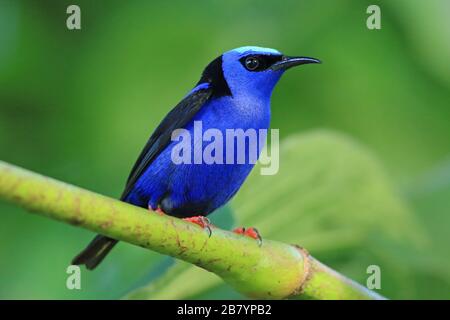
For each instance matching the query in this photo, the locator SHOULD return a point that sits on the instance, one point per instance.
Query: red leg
(157, 211)
(249, 232)
(240, 230)
(201, 221)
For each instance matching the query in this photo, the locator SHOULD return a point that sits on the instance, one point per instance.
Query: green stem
(274, 270)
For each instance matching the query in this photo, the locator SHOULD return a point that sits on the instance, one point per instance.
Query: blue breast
(185, 190)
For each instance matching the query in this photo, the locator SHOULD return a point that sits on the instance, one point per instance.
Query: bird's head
(249, 70)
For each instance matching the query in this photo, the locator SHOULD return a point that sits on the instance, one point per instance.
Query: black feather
(177, 118)
(95, 252)
(213, 74)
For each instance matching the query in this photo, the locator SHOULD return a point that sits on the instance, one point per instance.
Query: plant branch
(274, 270)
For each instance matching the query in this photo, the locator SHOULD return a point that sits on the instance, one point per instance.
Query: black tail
(95, 252)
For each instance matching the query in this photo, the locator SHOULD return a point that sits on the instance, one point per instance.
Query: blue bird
(234, 92)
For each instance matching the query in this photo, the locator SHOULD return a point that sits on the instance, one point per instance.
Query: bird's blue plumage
(247, 49)
(198, 189)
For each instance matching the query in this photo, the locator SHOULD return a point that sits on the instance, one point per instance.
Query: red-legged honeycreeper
(233, 93)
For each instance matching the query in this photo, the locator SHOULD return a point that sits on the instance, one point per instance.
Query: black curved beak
(289, 62)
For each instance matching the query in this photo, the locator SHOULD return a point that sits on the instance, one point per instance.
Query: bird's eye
(251, 63)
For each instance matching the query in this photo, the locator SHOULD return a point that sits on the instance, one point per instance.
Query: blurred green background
(365, 162)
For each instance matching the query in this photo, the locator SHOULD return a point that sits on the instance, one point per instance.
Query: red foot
(159, 211)
(249, 232)
(201, 221)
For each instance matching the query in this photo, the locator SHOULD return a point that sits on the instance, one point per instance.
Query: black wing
(178, 117)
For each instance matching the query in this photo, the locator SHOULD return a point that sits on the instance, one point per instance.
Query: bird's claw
(201, 221)
(159, 211)
(250, 232)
